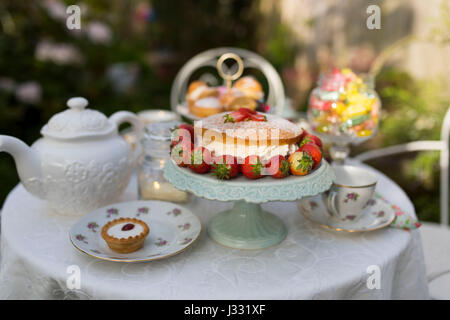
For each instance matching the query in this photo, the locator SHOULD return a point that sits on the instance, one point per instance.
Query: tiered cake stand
(246, 225)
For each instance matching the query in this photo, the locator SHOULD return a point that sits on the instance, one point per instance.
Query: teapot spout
(27, 160)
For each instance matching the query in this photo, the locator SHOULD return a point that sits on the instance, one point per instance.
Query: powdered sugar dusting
(274, 127)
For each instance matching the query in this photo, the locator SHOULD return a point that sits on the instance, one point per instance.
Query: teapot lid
(77, 122)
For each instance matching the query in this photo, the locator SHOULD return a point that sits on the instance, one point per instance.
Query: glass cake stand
(246, 225)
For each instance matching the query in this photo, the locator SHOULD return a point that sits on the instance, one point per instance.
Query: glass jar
(156, 152)
(344, 107)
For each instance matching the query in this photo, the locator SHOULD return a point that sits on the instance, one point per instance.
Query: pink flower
(29, 92)
(58, 53)
(143, 210)
(98, 32)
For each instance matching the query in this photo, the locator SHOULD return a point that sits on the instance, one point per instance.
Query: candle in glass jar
(161, 190)
(155, 145)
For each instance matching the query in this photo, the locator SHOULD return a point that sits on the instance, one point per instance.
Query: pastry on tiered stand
(206, 107)
(204, 101)
(240, 88)
(227, 96)
(250, 87)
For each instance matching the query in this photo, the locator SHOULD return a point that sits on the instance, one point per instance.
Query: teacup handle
(332, 203)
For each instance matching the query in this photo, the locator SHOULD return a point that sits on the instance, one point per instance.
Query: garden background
(127, 54)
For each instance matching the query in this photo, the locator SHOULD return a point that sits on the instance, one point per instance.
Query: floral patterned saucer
(378, 214)
(172, 230)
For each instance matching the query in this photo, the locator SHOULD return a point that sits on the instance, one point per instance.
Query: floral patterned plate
(172, 230)
(378, 214)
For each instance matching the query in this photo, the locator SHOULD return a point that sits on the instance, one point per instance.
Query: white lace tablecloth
(312, 263)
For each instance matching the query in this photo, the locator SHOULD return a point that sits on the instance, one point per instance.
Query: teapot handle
(125, 116)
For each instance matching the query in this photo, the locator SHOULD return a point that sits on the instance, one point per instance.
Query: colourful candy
(344, 105)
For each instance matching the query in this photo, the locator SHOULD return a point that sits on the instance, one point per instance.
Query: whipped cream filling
(195, 94)
(265, 152)
(117, 232)
(209, 102)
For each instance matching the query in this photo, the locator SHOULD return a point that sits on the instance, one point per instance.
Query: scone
(242, 102)
(227, 96)
(194, 85)
(125, 235)
(250, 87)
(206, 107)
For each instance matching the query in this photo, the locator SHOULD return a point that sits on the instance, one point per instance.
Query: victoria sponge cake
(246, 132)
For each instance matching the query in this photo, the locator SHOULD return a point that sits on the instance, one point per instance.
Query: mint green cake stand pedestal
(246, 225)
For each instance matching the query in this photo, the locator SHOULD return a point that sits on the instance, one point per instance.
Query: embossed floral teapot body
(81, 163)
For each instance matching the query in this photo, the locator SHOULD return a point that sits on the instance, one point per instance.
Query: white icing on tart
(117, 232)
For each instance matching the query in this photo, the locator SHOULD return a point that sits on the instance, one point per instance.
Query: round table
(37, 260)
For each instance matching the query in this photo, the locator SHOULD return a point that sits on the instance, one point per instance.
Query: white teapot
(81, 163)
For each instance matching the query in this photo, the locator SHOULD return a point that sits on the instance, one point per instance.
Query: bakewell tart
(125, 235)
(245, 132)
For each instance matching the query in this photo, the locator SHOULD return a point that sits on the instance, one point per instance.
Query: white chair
(435, 237)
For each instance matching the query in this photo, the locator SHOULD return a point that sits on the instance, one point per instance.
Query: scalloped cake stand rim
(321, 178)
(246, 225)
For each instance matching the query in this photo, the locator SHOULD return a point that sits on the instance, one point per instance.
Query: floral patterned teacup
(350, 193)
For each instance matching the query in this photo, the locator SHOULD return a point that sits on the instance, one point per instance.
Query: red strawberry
(258, 117)
(183, 131)
(247, 110)
(314, 151)
(173, 143)
(225, 167)
(309, 138)
(243, 114)
(278, 167)
(181, 153)
(300, 163)
(200, 160)
(235, 116)
(251, 168)
(304, 134)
